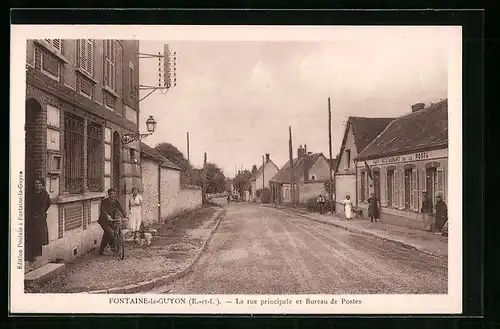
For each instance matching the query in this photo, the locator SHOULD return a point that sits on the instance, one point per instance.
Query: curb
(145, 286)
(366, 233)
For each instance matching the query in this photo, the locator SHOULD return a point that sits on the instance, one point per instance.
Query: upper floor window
(56, 45)
(86, 56)
(109, 64)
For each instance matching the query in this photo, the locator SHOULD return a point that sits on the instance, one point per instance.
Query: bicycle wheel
(121, 252)
(118, 245)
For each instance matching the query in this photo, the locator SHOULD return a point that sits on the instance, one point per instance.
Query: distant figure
(373, 208)
(228, 199)
(441, 213)
(426, 211)
(348, 207)
(36, 231)
(321, 203)
(135, 205)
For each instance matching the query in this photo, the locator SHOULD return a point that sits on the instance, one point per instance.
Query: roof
(424, 129)
(259, 171)
(151, 153)
(364, 130)
(283, 175)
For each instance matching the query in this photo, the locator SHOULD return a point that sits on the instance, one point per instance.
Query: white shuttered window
(56, 44)
(86, 56)
(109, 64)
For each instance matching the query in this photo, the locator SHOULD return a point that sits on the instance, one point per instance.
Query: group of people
(38, 203)
(436, 222)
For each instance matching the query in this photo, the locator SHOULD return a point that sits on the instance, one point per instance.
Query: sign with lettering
(410, 157)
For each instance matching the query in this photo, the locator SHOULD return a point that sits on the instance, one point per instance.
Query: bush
(312, 205)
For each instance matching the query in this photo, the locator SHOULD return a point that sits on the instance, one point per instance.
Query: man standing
(321, 203)
(426, 211)
(109, 209)
(441, 213)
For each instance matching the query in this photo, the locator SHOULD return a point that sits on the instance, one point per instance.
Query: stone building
(359, 132)
(260, 179)
(410, 156)
(81, 98)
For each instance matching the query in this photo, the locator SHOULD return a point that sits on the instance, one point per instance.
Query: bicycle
(118, 239)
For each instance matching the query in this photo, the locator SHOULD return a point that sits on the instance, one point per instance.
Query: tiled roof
(153, 154)
(283, 175)
(364, 131)
(259, 171)
(419, 130)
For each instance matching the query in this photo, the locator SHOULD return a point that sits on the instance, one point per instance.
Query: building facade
(359, 132)
(410, 156)
(310, 171)
(81, 98)
(260, 180)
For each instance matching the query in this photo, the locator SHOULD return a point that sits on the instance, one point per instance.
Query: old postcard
(236, 169)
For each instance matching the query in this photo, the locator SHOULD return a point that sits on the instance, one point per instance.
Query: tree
(241, 179)
(216, 181)
(173, 154)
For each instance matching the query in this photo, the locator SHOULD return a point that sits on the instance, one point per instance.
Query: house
(163, 194)
(81, 98)
(310, 172)
(260, 179)
(408, 157)
(359, 132)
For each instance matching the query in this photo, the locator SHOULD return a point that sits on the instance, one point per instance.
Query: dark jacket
(426, 207)
(441, 210)
(36, 230)
(373, 209)
(110, 208)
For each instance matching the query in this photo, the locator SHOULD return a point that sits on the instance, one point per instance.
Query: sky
(238, 98)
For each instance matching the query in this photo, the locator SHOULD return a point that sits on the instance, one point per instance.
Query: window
(363, 187)
(50, 65)
(109, 64)
(131, 81)
(348, 158)
(376, 183)
(73, 153)
(86, 56)
(84, 86)
(408, 186)
(390, 187)
(95, 157)
(431, 183)
(313, 177)
(55, 45)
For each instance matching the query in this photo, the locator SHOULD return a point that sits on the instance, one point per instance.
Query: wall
(349, 145)
(311, 190)
(320, 169)
(169, 190)
(396, 213)
(72, 217)
(344, 185)
(270, 171)
(150, 190)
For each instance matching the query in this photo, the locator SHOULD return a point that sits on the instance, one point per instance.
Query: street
(258, 250)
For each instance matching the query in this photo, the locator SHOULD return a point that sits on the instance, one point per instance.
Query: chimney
(301, 151)
(305, 148)
(417, 107)
(267, 157)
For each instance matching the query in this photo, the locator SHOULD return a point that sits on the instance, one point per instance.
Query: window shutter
(402, 188)
(414, 186)
(57, 44)
(384, 197)
(360, 177)
(440, 182)
(113, 76)
(395, 188)
(422, 186)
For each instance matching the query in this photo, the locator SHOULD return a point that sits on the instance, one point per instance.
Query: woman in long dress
(348, 207)
(37, 233)
(135, 207)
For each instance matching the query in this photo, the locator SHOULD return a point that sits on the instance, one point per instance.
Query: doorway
(117, 147)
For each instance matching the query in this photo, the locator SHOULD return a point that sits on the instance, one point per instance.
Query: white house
(261, 178)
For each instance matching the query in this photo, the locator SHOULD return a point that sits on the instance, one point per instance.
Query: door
(390, 180)
(407, 189)
(116, 161)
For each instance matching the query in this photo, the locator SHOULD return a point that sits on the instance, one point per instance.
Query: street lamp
(151, 127)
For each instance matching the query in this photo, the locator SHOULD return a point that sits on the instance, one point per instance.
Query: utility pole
(330, 191)
(204, 191)
(263, 181)
(290, 152)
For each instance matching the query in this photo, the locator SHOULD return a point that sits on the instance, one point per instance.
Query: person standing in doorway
(441, 213)
(36, 231)
(135, 208)
(373, 208)
(321, 204)
(109, 209)
(426, 211)
(348, 207)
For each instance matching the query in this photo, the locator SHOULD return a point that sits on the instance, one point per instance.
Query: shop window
(390, 187)
(363, 186)
(73, 153)
(95, 157)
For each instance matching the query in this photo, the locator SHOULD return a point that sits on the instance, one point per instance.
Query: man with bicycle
(109, 210)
